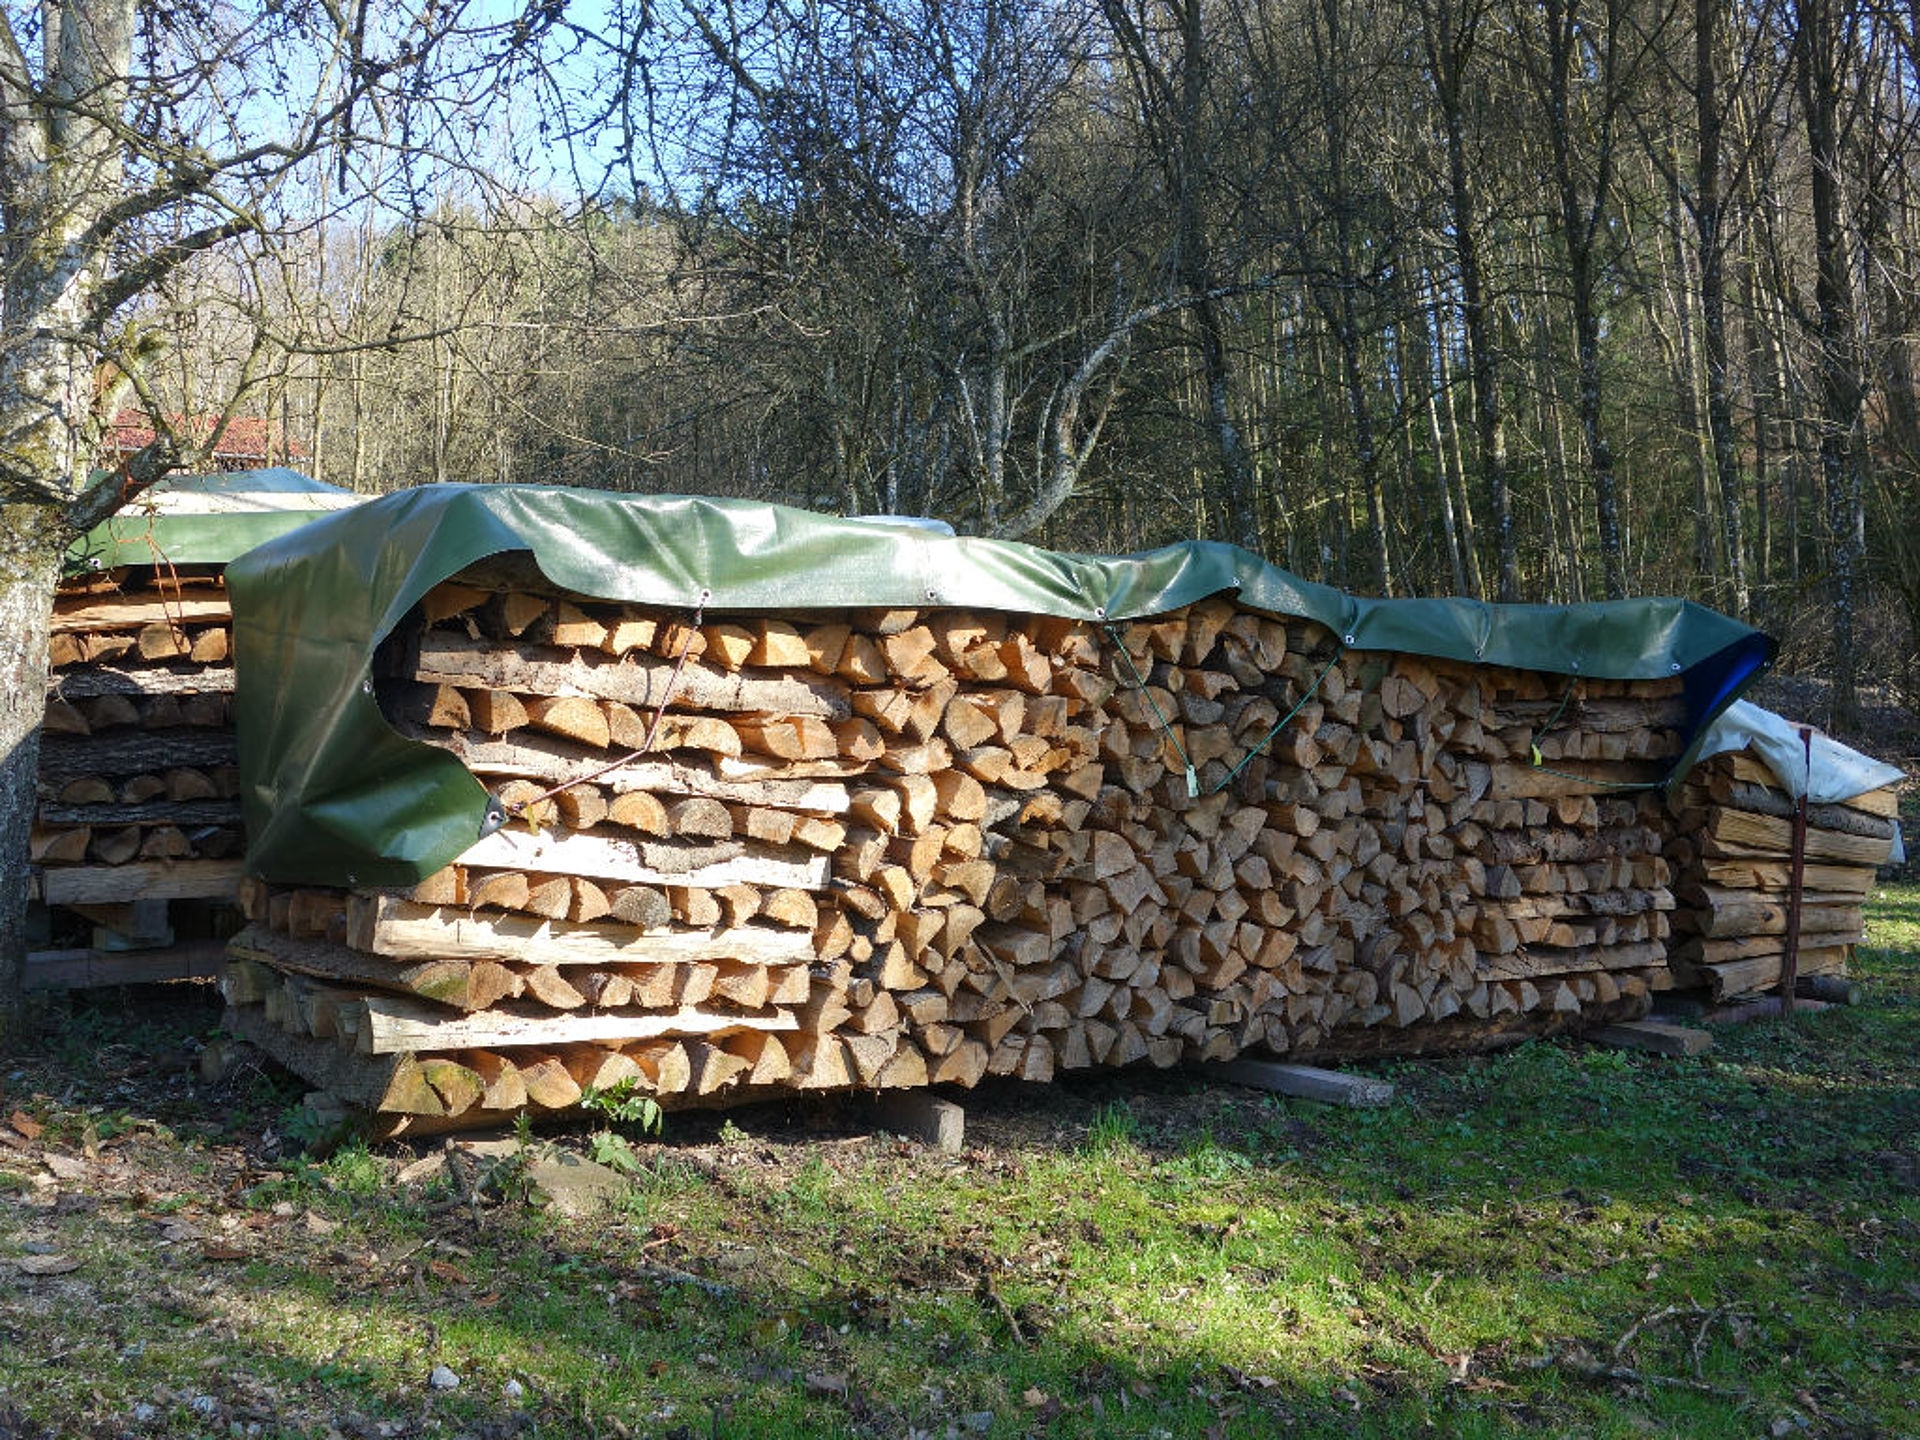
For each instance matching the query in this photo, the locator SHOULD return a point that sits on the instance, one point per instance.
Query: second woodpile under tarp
(137, 780)
(1733, 854)
(894, 848)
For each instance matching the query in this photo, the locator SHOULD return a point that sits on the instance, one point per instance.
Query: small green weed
(669, 1175)
(1205, 1158)
(308, 1128)
(614, 1152)
(626, 1106)
(1114, 1128)
(807, 1200)
(354, 1170)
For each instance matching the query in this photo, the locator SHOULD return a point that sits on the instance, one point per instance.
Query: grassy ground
(1554, 1240)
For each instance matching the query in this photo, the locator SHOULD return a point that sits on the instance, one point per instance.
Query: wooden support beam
(142, 880)
(388, 1024)
(1753, 1007)
(607, 857)
(147, 680)
(86, 614)
(94, 969)
(384, 925)
(1332, 1087)
(1656, 1037)
(936, 1123)
(189, 812)
(133, 752)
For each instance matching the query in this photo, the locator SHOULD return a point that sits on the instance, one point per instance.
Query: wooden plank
(386, 925)
(65, 757)
(1653, 1036)
(1332, 1087)
(147, 680)
(142, 880)
(191, 812)
(606, 857)
(1514, 781)
(1741, 833)
(1766, 800)
(1777, 875)
(388, 1024)
(1728, 980)
(1746, 947)
(91, 969)
(84, 613)
(1733, 913)
(554, 761)
(447, 659)
(1757, 1007)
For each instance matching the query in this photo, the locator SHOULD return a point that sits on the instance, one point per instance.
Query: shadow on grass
(1551, 1238)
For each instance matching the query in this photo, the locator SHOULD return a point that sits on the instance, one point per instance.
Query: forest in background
(1518, 299)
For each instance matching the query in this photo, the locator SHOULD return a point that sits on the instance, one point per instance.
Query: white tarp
(243, 492)
(1837, 772)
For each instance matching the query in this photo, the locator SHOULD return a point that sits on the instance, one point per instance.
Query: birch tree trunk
(29, 566)
(60, 169)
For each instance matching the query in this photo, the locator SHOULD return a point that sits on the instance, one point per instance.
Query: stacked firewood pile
(137, 788)
(1734, 877)
(899, 848)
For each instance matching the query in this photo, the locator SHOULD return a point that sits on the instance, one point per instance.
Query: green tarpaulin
(334, 796)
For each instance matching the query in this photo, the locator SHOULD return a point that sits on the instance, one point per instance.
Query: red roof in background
(247, 437)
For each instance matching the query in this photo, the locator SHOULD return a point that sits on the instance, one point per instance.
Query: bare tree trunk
(1709, 219)
(1333, 559)
(1564, 554)
(1820, 42)
(1582, 210)
(1339, 309)
(1448, 30)
(1366, 448)
(1410, 369)
(1760, 371)
(1173, 96)
(1447, 423)
(1683, 362)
